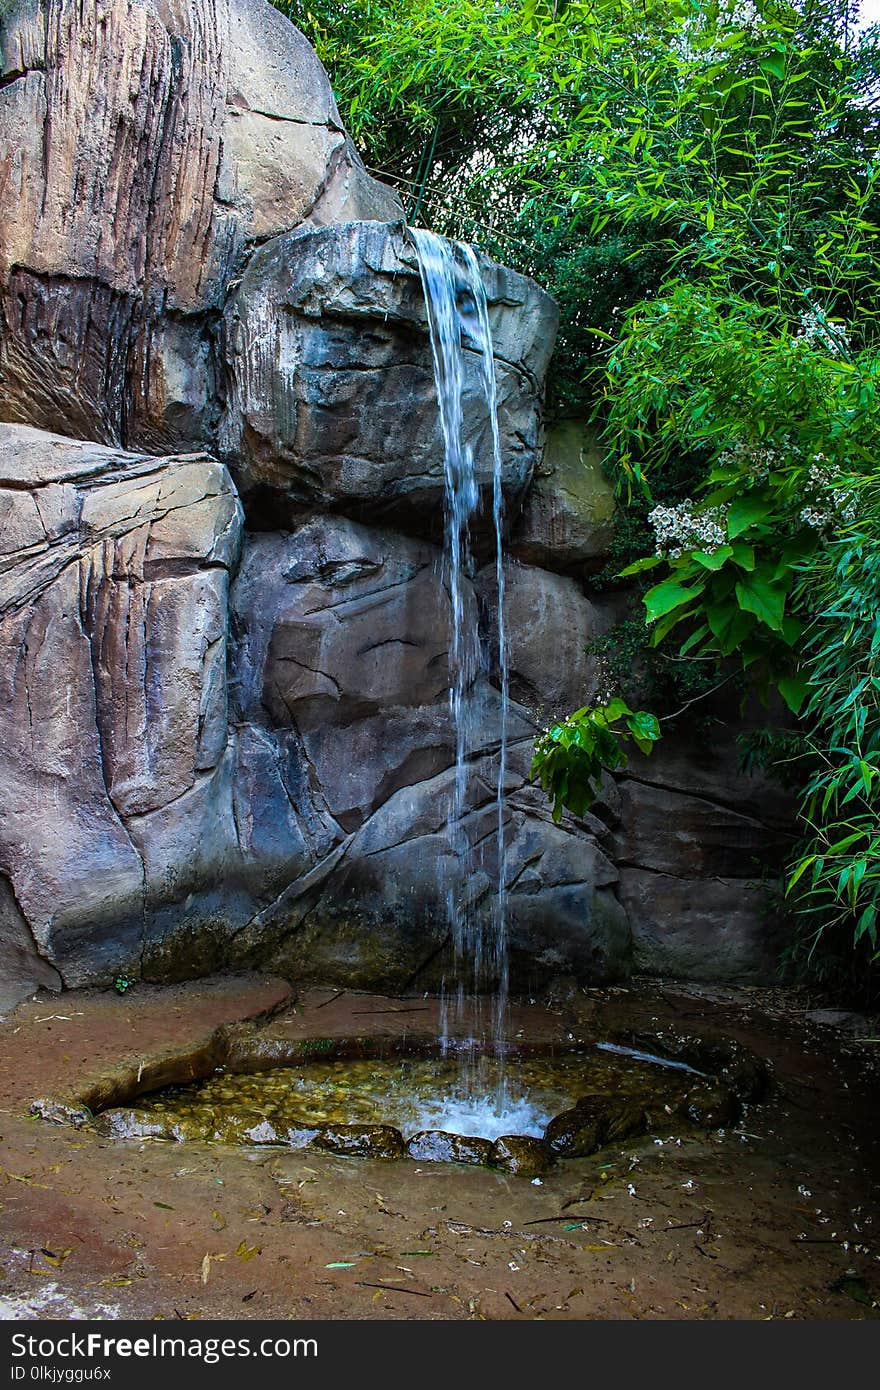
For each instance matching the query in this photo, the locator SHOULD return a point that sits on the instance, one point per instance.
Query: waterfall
(458, 312)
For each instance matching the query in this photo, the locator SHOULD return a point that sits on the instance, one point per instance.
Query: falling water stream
(458, 321)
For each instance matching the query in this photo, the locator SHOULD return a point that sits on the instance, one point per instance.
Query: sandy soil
(779, 1218)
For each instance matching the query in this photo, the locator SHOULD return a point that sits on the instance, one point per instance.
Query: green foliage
(837, 877)
(647, 675)
(572, 756)
(122, 984)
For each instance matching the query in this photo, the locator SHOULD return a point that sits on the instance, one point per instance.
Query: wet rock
(300, 1136)
(625, 1119)
(522, 1155)
(439, 1146)
(147, 1124)
(711, 1106)
(361, 1141)
(355, 425)
(341, 645)
(549, 622)
(575, 1133)
(593, 1121)
(62, 1113)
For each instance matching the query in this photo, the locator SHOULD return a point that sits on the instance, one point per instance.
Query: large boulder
(331, 399)
(567, 521)
(112, 678)
(145, 146)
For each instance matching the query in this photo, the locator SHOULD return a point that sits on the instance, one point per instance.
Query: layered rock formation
(147, 146)
(225, 736)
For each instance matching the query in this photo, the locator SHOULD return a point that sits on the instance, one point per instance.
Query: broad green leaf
(793, 690)
(648, 563)
(747, 511)
(644, 726)
(744, 555)
(774, 63)
(665, 597)
(715, 559)
(767, 601)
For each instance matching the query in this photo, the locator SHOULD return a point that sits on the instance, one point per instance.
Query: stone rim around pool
(728, 1077)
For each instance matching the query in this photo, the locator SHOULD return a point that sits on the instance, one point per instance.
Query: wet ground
(777, 1217)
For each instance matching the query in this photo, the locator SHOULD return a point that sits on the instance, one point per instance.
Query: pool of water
(415, 1094)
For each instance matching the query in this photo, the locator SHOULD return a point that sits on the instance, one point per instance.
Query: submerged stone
(439, 1146)
(522, 1155)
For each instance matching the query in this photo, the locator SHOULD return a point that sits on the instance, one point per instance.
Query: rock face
(224, 728)
(145, 146)
(113, 637)
(696, 845)
(567, 520)
(332, 400)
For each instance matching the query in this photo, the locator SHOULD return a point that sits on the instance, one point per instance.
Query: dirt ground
(777, 1218)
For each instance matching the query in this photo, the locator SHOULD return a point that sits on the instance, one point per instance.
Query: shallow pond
(486, 1100)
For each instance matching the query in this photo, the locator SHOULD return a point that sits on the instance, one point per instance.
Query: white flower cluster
(681, 528)
(744, 13)
(827, 504)
(818, 332)
(754, 461)
(692, 41)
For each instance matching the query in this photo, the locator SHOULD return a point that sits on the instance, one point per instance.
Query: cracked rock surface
(145, 147)
(224, 727)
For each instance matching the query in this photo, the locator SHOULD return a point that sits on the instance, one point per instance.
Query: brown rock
(522, 1155)
(144, 148)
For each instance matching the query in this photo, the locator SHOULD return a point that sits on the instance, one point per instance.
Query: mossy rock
(147, 1124)
(522, 1155)
(710, 1105)
(361, 1141)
